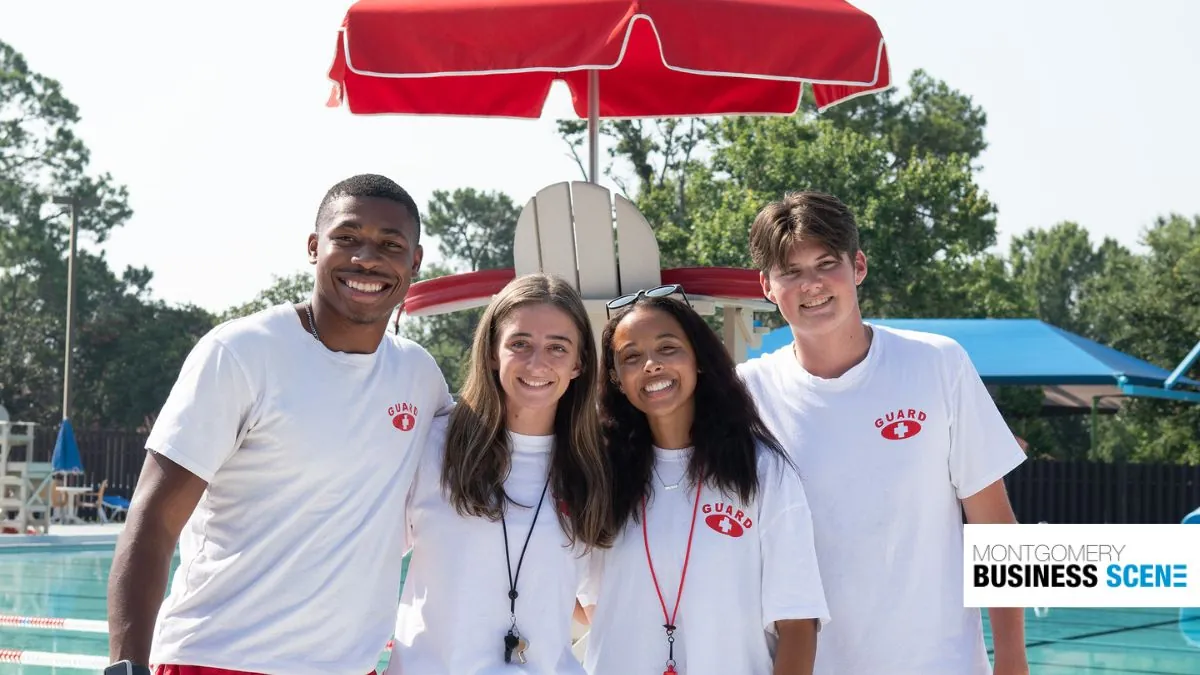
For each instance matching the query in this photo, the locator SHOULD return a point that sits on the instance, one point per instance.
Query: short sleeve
(791, 577)
(982, 447)
(445, 402)
(206, 415)
(428, 475)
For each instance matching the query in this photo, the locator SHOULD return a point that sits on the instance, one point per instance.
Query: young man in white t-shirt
(895, 436)
(280, 464)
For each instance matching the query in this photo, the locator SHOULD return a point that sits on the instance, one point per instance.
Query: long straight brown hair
(478, 457)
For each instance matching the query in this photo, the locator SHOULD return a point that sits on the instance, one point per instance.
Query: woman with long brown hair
(502, 514)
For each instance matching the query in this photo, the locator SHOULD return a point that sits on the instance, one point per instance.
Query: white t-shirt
(454, 610)
(886, 452)
(750, 566)
(289, 563)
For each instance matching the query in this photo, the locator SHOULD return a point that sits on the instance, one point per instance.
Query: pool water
(73, 584)
(62, 585)
(57, 585)
(1146, 641)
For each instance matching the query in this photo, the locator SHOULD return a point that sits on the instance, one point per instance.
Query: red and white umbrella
(620, 58)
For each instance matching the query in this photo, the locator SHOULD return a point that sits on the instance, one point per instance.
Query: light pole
(75, 204)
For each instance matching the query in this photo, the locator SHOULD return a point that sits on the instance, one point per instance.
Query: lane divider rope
(52, 660)
(76, 625)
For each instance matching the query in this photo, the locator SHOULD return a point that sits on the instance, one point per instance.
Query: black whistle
(510, 643)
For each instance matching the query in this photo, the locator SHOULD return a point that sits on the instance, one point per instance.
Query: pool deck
(64, 536)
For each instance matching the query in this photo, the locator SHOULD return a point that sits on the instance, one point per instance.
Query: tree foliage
(475, 232)
(292, 288)
(127, 346)
(903, 164)
(1149, 305)
(906, 163)
(1141, 304)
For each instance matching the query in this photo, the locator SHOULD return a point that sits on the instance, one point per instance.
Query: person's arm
(796, 653)
(991, 506)
(793, 595)
(165, 498)
(982, 451)
(206, 416)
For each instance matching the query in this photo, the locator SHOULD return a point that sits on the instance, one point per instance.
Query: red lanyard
(670, 620)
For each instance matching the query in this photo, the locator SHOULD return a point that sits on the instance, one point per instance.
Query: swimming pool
(1117, 641)
(71, 584)
(63, 583)
(56, 584)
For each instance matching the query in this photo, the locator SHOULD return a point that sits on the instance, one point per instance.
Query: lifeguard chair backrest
(594, 239)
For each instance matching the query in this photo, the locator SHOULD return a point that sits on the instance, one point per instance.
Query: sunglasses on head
(656, 292)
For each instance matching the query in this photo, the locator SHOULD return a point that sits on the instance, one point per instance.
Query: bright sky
(213, 114)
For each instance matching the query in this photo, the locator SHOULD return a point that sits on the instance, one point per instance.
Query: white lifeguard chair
(596, 240)
(600, 243)
(26, 489)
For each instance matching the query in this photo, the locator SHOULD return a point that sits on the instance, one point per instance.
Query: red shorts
(203, 670)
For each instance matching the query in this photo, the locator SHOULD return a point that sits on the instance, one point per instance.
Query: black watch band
(127, 668)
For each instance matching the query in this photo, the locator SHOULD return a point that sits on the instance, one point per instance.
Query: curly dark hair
(726, 429)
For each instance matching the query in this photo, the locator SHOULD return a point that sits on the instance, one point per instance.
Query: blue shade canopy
(1030, 352)
(66, 451)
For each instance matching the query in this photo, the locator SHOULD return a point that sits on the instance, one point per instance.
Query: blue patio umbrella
(66, 451)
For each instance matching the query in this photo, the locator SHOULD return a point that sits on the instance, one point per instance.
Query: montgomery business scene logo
(1065, 566)
(1081, 565)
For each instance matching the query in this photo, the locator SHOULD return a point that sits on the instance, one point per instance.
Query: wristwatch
(127, 668)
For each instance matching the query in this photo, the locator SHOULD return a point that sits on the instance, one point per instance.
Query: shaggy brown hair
(801, 216)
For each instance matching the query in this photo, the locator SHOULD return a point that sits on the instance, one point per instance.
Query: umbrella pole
(594, 126)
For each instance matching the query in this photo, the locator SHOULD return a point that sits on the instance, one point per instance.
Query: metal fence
(115, 456)
(1041, 490)
(1098, 492)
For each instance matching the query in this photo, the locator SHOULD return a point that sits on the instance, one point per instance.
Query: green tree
(903, 164)
(127, 348)
(923, 222)
(296, 287)
(653, 162)
(1050, 268)
(907, 165)
(932, 119)
(1142, 304)
(1053, 266)
(475, 232)
(135, 350)
(1149, 306)
(474, 229)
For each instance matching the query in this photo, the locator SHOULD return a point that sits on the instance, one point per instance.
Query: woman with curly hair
(713, 568)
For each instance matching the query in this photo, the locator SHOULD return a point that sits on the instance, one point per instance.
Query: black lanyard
(513, 640)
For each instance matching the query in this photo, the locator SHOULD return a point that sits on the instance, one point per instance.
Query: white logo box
(1131, 565)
